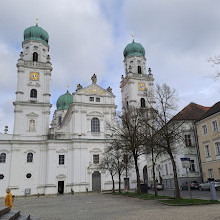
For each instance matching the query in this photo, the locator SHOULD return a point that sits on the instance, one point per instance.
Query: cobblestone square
(109, 207)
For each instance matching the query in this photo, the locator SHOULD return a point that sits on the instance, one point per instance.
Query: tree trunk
(137, 174)
(119, 182)
(154, 177)
(177, 190)
(113, 184)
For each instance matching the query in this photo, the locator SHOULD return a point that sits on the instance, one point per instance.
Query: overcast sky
(89, 36)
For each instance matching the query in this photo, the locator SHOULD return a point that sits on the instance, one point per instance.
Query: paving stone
(23, 217)
(4, 210)
(12, 215)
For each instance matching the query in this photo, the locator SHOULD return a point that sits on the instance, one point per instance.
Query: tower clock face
(141, 86)
(34, 76)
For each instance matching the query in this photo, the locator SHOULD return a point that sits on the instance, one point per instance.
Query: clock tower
(136, 80)
(32, 105)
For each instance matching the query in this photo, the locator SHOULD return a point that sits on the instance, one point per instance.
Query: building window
(188, 140)
(31, 125)
(139, 69)
(207, 152)
(210, 171)
(192, 166)
(59, 120)
(33, 93)
(95, 125)
(28, 175)
(97, 99)
(29, 157)
(142, 103)
(166, 169)
(91, 99)
(35, 56)
(1, 176)
(214, 126)
(61, 159)
(217, 148)
(2, 157)
(204, 129)
(95, 159)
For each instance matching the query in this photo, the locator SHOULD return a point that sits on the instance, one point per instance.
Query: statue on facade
(32, 125)
(21, 55)
(94, 79)
(109, 89)
(78, 87)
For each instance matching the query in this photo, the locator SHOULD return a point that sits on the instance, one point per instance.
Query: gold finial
(132, 36)
(36, 20)
(67, 86)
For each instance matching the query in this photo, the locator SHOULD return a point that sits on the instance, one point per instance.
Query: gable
(93, 89)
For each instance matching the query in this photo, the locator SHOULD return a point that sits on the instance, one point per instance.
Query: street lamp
(186, 164)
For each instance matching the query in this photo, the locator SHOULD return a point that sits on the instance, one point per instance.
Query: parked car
(158, 185)
(192, 185)
(206, 185)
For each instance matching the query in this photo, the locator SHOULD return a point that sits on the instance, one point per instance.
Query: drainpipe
(197, 148)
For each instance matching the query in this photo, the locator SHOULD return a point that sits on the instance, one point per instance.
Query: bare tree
(122, 160)
(168, 132)
(114, 161)
(215, 62)
(108, 163)
(131, 133)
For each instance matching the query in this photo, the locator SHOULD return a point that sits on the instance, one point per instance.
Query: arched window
(139, 69)
(142, 103)
(29, 157)
(35, 56)
(31, 125)
(2, 157)
(33, 93)
(59, 120)
(95, 125)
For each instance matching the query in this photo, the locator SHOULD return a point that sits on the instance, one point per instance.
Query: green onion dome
(36, 33)
(64, 101)
(134, 49)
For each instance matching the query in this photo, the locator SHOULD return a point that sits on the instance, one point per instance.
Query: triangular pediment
(94, 89)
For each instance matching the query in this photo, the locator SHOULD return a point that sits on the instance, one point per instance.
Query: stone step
(23, 217)
(12, 215)
(34, 218)
(4, 210)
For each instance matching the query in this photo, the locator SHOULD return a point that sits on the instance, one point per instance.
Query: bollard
(212, 190)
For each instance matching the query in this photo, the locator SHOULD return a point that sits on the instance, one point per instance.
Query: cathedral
(62, 156)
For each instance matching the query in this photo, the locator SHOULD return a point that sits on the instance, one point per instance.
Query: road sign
(185, 162)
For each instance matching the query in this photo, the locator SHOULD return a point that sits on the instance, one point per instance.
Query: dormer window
(35, 56)
(139, 69)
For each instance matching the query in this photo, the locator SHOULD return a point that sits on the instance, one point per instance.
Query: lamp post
(186, 164)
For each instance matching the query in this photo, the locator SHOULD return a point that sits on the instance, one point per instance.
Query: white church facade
(42, 159)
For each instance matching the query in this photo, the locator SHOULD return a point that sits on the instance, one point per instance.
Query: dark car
(192, 185)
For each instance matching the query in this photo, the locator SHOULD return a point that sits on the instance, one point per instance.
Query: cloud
(89, 36)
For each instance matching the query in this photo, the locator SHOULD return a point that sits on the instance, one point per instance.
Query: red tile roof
(191, 112)
(213, 110)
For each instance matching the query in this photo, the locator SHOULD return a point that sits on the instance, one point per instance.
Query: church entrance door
(96, 181)
(60, 187)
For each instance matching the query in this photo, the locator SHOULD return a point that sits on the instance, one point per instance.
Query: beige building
(208, 127)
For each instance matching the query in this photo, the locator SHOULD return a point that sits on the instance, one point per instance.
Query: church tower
(32, 105)
(136, 81)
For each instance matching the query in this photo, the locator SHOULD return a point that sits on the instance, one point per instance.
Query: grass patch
(142, 195)
(167, 199)
(175, 201)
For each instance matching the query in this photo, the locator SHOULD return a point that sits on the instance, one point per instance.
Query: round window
(28, 175)
(1, 176)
